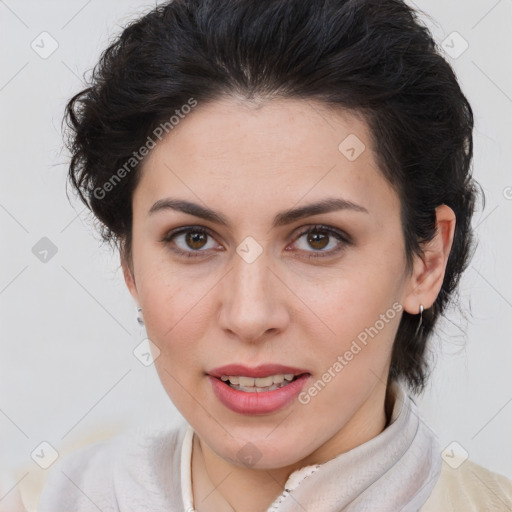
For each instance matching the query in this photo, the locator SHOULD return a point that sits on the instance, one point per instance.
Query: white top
(396, 470)
(186, 471)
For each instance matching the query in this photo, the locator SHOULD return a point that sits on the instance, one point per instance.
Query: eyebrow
(281, 219)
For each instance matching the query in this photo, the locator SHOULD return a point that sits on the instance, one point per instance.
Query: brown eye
(317, 241)
(195, 240)
(321, 241)
(190, 241)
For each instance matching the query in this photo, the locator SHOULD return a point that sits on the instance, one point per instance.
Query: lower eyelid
(323, 253)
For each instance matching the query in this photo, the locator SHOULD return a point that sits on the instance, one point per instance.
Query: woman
(288, 184)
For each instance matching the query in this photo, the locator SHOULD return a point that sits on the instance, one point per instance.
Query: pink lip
(263, 370)
(264, 402)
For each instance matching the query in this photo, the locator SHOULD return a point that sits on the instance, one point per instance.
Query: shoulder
(469, 488)
(124, 473)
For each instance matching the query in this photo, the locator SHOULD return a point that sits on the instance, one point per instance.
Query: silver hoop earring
(421, 320)
(140, 319)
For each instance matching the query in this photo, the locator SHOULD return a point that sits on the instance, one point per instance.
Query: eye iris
(193, 238)
(315, 238)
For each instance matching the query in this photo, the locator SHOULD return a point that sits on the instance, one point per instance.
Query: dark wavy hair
(373, 57)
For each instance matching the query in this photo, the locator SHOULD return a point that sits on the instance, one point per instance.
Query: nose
(254, 304)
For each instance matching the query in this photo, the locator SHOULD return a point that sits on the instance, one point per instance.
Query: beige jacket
(469, 488)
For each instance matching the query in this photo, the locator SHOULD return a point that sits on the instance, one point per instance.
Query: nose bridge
(250, 277)
(251, 301)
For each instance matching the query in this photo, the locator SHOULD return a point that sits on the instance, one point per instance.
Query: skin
(250, 161)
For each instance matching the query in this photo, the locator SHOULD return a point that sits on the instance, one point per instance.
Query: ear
(429, 268)
(129, 277)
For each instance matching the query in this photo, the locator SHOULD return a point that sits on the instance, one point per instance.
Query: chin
(261, 451)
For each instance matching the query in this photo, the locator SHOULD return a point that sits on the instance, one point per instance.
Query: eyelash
(317, 228)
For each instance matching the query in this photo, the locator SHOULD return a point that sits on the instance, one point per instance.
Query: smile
(261, 390)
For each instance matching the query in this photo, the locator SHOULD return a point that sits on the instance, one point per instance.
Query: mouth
(260, 390)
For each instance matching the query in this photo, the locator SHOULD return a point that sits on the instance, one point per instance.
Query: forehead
(266, 153)
(284, 130)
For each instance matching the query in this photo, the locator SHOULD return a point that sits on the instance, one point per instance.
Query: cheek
(174, 316)
(360, 311)
(168, 293)
(364, 319)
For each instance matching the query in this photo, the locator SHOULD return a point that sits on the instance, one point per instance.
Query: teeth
(262, 382)
(244, 381)
(258, 384)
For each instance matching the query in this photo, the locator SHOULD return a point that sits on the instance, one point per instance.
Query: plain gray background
(67, 370)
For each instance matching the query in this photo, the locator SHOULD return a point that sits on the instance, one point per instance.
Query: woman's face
(255, 284)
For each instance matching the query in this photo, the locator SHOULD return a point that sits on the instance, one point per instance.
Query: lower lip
(263, 402)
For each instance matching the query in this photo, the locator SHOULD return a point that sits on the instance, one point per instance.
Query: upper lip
(263, 370)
